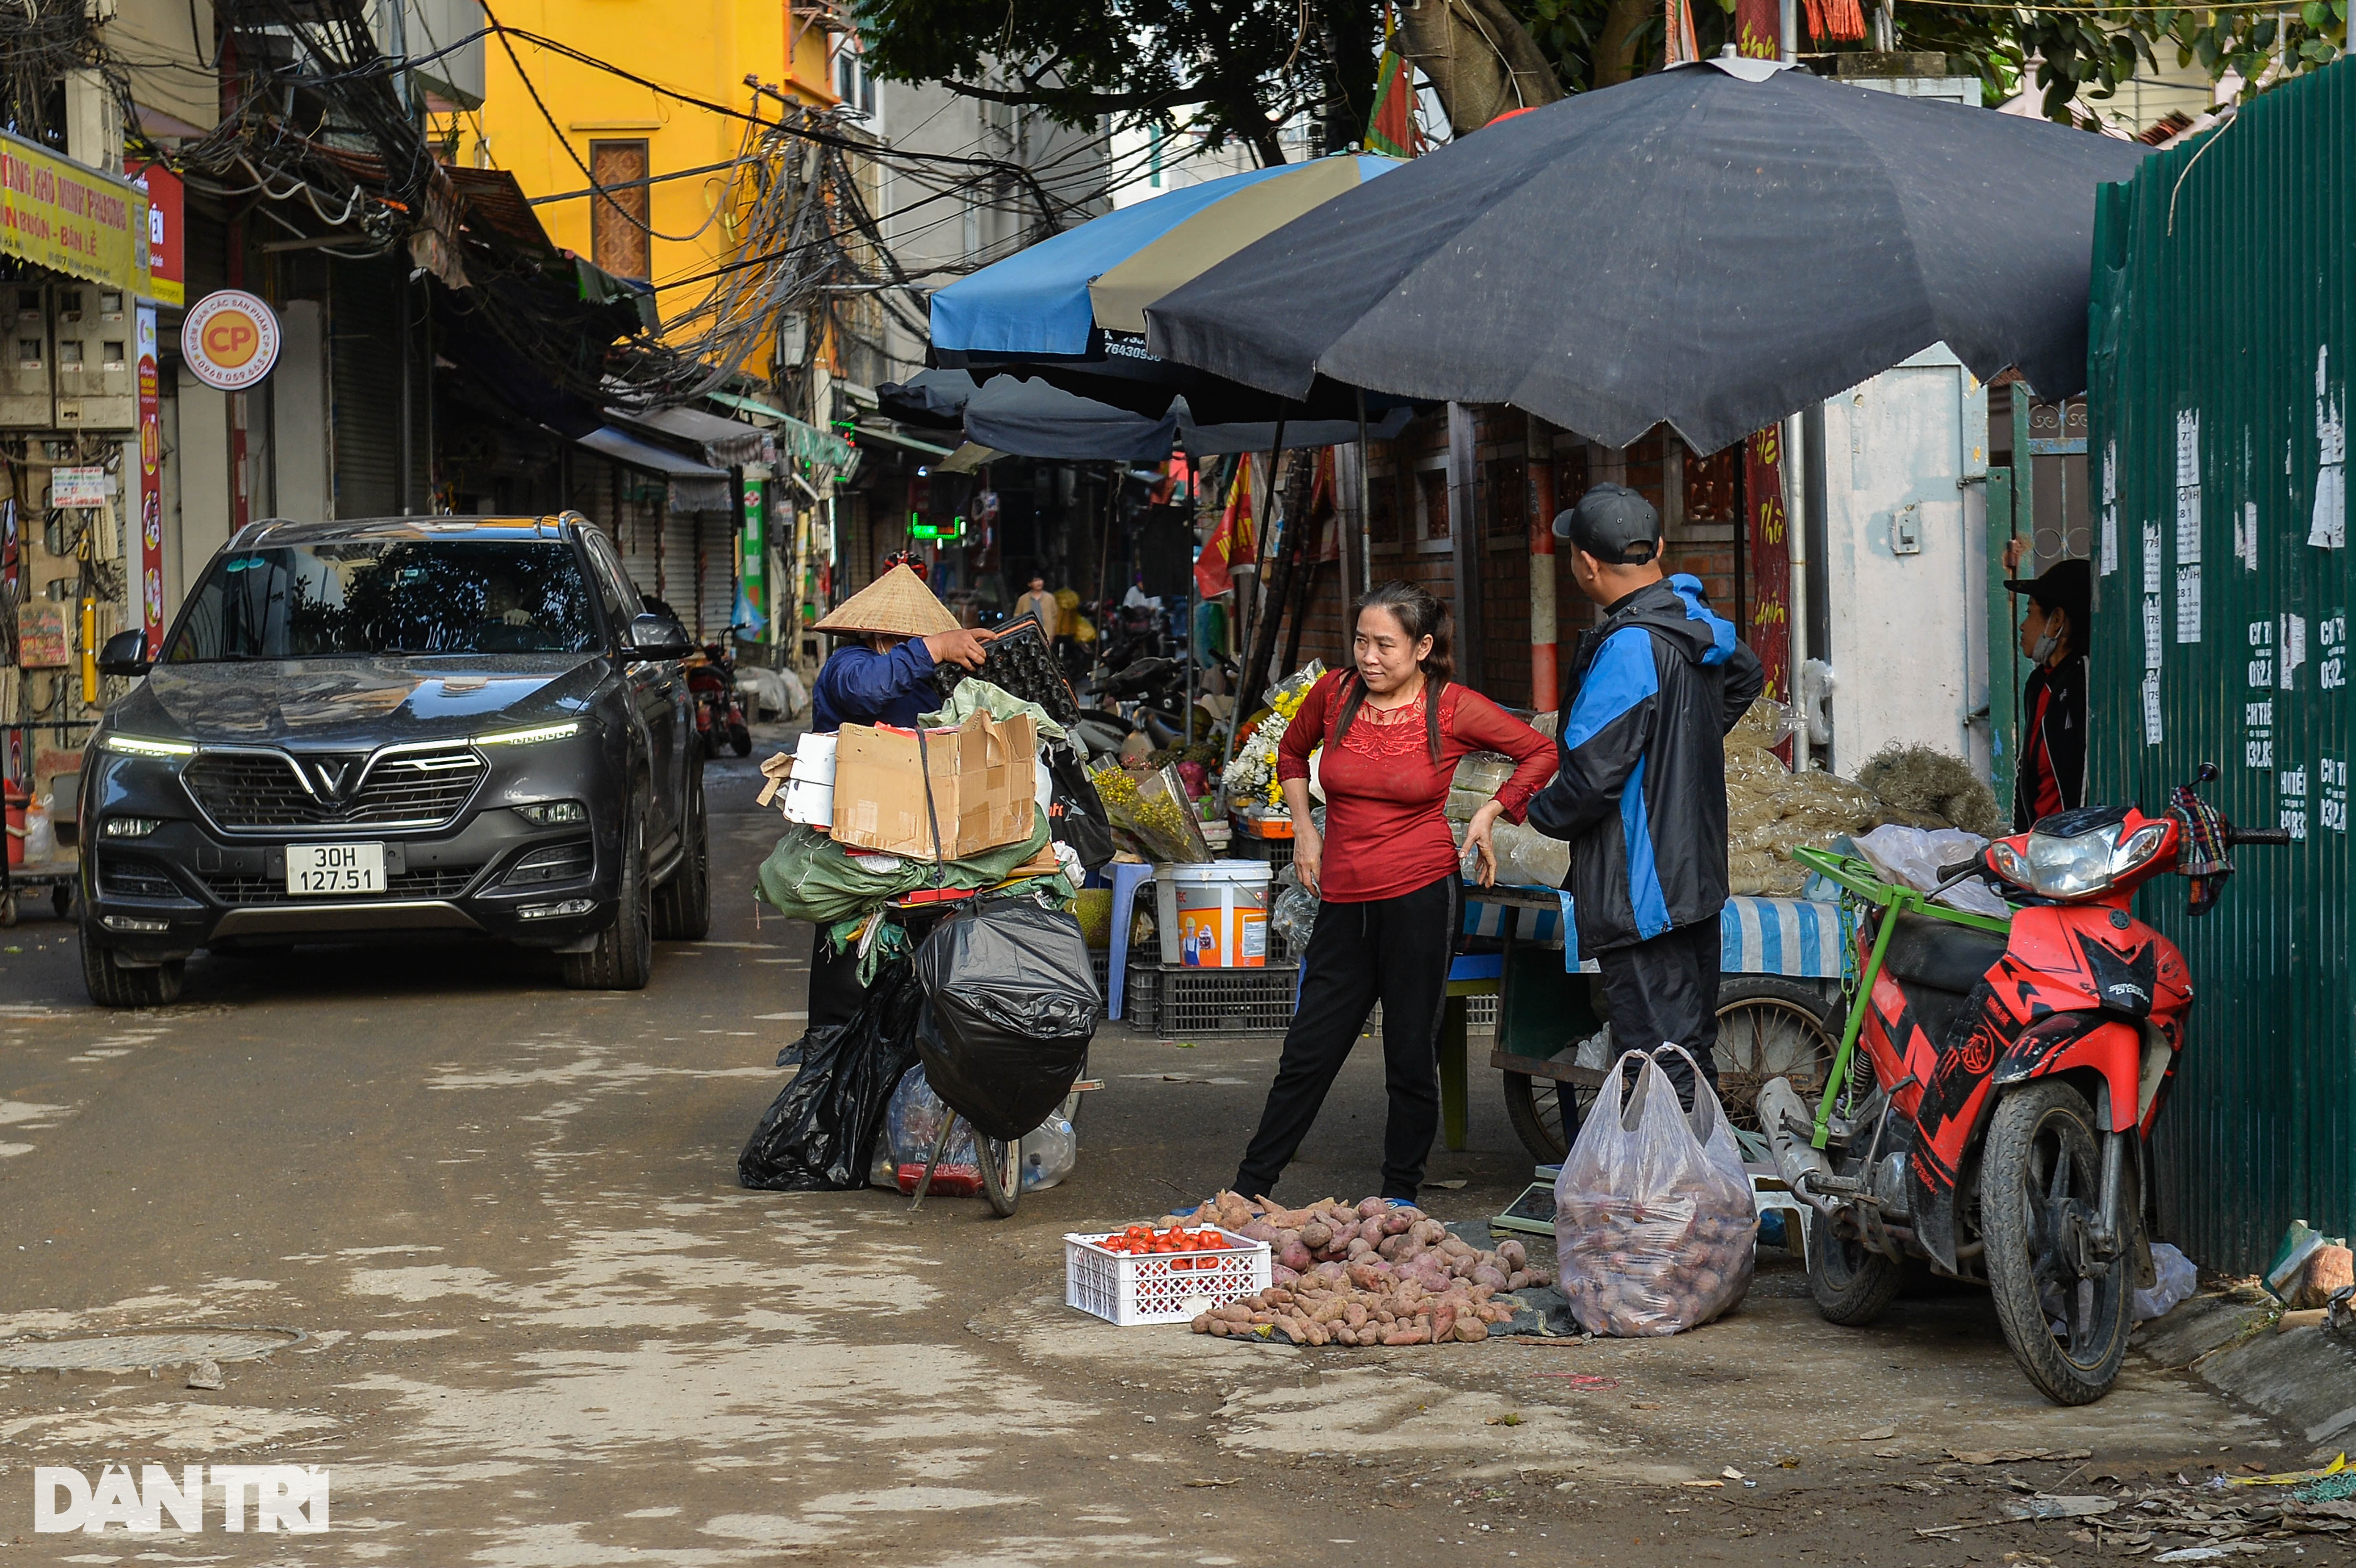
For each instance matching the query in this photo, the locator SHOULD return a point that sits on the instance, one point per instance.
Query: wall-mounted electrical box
(97, 383)
(28, 391)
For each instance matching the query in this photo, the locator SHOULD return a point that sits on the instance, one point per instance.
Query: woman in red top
(1390, 903)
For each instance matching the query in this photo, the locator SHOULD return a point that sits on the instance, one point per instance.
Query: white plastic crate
(1128, 1288)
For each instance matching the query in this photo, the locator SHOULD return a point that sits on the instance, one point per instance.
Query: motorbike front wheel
(2040, 1195)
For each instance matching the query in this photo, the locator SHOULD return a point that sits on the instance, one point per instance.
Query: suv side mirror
(656, 636)
(125, 653)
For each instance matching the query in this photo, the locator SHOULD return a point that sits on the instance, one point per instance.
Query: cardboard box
(982, 787)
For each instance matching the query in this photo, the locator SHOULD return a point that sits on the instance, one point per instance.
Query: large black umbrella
(1714, 245)
(1034, 418)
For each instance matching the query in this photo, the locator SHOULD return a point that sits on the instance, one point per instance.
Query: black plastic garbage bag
(1011, 1004)
(1077, 813)
(818, 1135)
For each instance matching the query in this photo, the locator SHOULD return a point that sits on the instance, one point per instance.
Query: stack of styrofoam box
(809, 793)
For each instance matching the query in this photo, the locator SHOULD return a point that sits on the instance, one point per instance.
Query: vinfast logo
(290, 1498)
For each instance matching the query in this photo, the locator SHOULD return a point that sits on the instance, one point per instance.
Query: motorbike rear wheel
(1853, 1284)
(1001, 1172)
(2041, 1186)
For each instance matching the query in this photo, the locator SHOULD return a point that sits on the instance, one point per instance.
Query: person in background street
(896, 630)
(1040, 602)
(1652, 691)
(2050, 774)
(1390, 902)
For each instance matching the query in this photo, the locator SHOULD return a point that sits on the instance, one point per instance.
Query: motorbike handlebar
(2258, 835)
(1959, 869)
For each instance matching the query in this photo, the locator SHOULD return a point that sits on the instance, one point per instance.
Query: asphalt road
(542, 1325)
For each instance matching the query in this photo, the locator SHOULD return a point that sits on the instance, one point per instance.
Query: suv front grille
(249, 792)
(434, 882)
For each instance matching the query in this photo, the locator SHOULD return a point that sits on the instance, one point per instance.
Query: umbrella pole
(1365, 505)
(1251, 622)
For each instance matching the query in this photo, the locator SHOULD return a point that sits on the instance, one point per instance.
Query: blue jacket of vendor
(861, 686)
(1651, 694)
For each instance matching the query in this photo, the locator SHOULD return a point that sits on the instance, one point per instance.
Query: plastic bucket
(17, 801)
(1222, 910)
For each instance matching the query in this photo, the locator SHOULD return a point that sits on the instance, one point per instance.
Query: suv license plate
(313, 870)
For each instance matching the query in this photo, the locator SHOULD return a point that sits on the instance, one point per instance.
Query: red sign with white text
(166, 251)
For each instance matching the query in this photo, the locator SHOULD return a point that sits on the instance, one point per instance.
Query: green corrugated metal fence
(2221, 332)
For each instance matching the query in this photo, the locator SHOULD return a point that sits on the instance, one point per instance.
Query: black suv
(462, 725)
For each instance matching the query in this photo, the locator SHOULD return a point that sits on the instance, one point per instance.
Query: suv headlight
(553, 813)
(130, 827)
(531, 737)
(141, 746)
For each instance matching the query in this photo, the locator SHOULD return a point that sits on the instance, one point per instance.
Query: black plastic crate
(1243, 846)
(1100, 960)
(1172, 999)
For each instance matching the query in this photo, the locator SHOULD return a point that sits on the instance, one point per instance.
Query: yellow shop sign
(62, 215)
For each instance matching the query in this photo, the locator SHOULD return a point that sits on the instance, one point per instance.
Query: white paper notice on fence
(2151, 558)
(2329, 529)
(2188, 447)
(2151, 707)
(2292, 652)
(2188, 603)
(2246, 537)
(2188, 524)
(2151, 638)
(2110, 545)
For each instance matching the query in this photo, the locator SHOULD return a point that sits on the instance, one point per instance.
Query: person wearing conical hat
(895, 632)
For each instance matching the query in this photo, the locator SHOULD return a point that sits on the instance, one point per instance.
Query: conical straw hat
(896, 604)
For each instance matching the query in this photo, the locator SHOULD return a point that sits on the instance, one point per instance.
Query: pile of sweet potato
(1368, 1275)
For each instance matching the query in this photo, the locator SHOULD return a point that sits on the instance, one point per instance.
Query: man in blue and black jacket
(1652, 691)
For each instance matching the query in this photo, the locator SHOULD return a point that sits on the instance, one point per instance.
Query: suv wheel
(114, 983)
(684, 904)
(624, 954)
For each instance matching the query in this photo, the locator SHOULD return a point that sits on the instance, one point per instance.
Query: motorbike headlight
(2072, 868)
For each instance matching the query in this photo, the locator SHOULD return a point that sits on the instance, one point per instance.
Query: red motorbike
(1995, 1122)
(719, 710)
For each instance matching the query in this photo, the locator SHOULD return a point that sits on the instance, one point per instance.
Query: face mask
(2045, 647)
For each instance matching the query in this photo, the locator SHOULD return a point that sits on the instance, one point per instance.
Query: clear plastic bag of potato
(1655, 1228)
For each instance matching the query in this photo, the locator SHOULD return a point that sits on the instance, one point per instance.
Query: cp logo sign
(229, 340)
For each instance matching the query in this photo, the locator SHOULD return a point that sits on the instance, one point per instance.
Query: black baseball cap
(2066, 585)
(1612, 523)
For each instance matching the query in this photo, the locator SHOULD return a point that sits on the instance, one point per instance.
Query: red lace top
(1385, 825)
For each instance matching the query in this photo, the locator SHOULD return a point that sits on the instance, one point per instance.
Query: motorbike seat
(1940, 953)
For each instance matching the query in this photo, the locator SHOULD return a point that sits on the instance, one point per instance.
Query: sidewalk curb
(2306, 1377)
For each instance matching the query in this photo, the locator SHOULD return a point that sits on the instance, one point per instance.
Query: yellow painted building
(672, 213)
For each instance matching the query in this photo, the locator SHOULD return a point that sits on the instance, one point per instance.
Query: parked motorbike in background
(1996, 1118)
(719, 706)
(1136, 681)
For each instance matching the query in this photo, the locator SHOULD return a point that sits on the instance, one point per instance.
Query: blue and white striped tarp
(1799, 937)
(1780, 936)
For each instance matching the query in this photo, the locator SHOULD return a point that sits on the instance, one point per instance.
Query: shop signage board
(59, 214)
(41, 642)
(78, 486)
(167, 248)
(1767, 547)
(229, 340)
(151, 487)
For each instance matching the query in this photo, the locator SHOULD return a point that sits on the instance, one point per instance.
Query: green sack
(810, 877)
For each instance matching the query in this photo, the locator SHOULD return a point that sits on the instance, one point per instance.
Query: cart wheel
(8, 909)
(1002, 1171)
(62, 899)
(1770, 1028)
(1546, 1115)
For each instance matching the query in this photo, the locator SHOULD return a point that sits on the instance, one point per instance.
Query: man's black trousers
(1666, 990)
(1396, 951)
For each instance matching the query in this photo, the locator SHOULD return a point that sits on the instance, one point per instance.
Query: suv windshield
(388, 596)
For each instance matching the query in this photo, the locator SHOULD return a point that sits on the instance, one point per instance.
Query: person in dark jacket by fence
(1641, 795)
